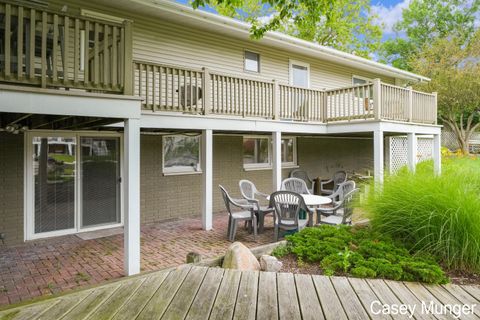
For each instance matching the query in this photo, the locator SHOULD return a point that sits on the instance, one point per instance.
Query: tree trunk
(462, 133)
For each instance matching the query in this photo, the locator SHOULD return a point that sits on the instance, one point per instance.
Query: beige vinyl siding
(171, 43)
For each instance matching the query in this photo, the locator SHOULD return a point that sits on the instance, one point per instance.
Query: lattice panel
(398, 150)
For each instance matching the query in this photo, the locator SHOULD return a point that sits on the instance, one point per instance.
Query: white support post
(207, 179)
(412, 151)
(378, 162)
(377, 98)
(131, 185)
(437, 154)
(277, 160)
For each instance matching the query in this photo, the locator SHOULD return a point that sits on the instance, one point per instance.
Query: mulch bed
(290, 264)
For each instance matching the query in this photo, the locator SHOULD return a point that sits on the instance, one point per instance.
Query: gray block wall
(11, 187)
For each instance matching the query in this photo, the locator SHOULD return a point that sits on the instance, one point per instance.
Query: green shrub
(281, 251)
(438, 215)
(361, 253)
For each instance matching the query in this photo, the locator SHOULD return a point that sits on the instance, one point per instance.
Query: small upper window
(299, 74)
(289, 154)
(252, 61)
(356, 80)
(181, 154)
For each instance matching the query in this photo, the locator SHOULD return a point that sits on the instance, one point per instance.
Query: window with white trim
(252, 61)
(299, 74)
(359, 80)
(181, 154)
(257, 152)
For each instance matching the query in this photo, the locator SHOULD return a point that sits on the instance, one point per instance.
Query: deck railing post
(410, 104)
(128, 59)
(324, 110)
(435, 107)
(276, 100)
(377, 98)
(207, 90)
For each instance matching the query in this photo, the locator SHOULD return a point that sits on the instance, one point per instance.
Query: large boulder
(270, 263)
(240, 257)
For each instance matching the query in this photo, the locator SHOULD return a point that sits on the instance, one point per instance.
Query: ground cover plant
(438, 215)
(359, 252)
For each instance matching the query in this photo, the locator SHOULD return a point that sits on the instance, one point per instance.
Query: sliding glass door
(100, 170)
(73, 183)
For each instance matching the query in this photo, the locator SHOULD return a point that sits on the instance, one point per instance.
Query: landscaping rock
(270, 263)
(240, 257)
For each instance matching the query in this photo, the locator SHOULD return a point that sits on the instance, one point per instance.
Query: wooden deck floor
(213, 293)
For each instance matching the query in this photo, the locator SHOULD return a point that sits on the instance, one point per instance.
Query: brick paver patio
(54, 265)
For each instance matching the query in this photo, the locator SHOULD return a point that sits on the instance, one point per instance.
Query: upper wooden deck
(214, 293)
(44, 48)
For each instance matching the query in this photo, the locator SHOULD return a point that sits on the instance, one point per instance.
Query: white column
(131, 185)
(277, 160)
(378, 163)
(437, 154)
(412, 151)
(207, 178)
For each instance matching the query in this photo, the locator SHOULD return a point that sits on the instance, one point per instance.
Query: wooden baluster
(86, 66)
(55, 50)
(107, 81)
(66, 49)
(147, 86)
(8, 23)
(114, 64)
(160, 88)
(44, 50)
(96, 55)
(31, 46)
(20, 44)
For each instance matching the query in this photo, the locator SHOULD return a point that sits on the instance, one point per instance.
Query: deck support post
(277, 160)
(131, 184)
(207, 178)
(437, 154)
(412, 151)
(378, 163)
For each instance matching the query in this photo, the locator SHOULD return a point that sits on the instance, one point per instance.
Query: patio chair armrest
(242, 204)
(324, 182)
(262, 194)
(255, 203)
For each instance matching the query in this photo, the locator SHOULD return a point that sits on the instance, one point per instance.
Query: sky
(388, 11)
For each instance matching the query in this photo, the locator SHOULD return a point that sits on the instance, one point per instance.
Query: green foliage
(426, 21)
(361, 253)
(281, 251)
(435, 215)
(342, 24)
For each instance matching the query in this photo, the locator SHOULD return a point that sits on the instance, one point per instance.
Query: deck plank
(110, 306)
(333, 308)
(407, 297)
(425, 296)
(288, 307)
(159, 302)
(473, 290)
(462, 296)
(351, 304)
(90, 303)
(203, 303)
(307, 296)
(224, 304)
(246, 307)
(386, 296)
(367, 297)
(267, 304)
(185, 295)
(28, 312)
(446, 298)
(140, 298)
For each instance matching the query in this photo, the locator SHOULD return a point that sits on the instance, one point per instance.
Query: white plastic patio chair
(250, 193)
(287, 207)
(340, 212)
(295, 185)
(338, 177)
(301, 174)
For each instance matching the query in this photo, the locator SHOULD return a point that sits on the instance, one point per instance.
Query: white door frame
(29, 186)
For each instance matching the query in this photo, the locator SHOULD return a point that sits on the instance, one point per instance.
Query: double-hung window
(257, 152)
(181, 154)
(252, 61)
(299, 74)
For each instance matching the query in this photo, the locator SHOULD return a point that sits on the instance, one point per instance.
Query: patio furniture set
(293, 206)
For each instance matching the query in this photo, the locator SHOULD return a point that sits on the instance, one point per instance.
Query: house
(118, 115)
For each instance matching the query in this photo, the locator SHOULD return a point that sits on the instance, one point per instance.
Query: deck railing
(200, 91)
(52, 49)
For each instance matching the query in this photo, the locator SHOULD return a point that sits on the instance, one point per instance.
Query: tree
(341, 24)
(453, 64)
(425, 21)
